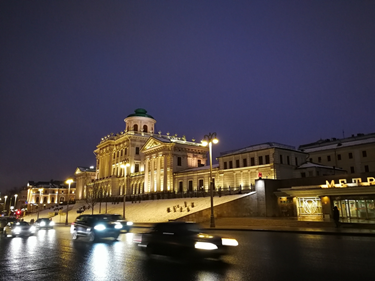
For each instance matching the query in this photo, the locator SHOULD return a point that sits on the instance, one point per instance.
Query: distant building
(48, 193)
(355, 154)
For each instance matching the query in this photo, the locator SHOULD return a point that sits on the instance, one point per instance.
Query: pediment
(152, 143)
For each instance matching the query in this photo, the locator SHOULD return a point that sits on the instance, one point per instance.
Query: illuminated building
(48, 193)
(355, 154)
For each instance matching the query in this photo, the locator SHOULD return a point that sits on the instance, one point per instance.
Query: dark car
(44, 223)
(21, 228)
(126, 225)
(183, 240)
(95, 227)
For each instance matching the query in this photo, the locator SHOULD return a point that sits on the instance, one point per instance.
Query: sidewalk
(291, 225)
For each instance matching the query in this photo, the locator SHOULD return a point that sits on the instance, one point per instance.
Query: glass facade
(356, 208)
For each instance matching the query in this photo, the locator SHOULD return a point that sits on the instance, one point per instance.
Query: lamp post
(40, 194)
(5, 203)
(210, 139)
(124, 193)
(15, 201)
(69, 181)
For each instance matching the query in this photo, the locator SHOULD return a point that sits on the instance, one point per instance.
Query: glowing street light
(69, 181)
(124, 192)
(40, 194)
(210, 139)
(15, 201)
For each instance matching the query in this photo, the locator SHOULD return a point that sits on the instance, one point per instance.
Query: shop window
(225, 165)
(179, 161)
(252, 161)
(237, 163)
(244, 162)
(364, 153)
(260, 159)
(352, 170)
(230, 165)
(350, 155)
(267, 159)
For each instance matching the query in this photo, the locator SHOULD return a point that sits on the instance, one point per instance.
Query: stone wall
(242, 207)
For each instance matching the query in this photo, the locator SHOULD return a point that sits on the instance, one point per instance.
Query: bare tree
(93, 195)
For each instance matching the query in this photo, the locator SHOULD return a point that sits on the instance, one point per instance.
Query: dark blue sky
(252, 71)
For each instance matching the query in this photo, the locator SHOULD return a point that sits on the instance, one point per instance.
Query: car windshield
(116, 217)
(22, 223)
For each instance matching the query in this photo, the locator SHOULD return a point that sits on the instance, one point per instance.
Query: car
(44, 223)
(16, 228)
(126, 225)
(183, 240)
(95, 227)
(5, 220)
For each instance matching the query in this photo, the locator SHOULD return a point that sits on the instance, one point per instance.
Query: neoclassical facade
(139, 160)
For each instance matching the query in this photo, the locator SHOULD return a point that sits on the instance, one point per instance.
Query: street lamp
(40, 194)
(15, 201)
(124, 193)
(69, 181)
(209, 139)
(5, 203)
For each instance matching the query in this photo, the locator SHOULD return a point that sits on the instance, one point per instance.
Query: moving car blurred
(126, 225)
(95, 227)
(5, 220)
(21, 228)
(44, 223)
(183, 240)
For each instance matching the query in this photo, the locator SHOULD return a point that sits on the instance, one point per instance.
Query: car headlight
(32, 229)
(229, 242)
(52, 223)
(129, 223)
(118, 225)
(42, 223)
(99, 227)
(205, 246)
(17, 229)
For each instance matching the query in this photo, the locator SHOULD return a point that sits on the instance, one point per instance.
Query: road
(52, 255)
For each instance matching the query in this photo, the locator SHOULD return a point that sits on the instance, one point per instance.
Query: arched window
(145, 128)
(135, 128)
(62, 199)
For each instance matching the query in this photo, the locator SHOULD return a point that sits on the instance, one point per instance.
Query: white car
(22, 228)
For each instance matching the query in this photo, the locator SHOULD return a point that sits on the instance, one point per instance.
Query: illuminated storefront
(354, 197)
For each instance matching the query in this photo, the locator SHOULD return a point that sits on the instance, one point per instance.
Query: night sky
(291, 72)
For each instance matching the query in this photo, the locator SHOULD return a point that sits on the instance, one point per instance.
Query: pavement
(292, 225)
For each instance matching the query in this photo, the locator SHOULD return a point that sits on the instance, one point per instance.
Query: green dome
(141, 113)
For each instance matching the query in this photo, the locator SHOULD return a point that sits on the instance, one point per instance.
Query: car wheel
(75, 235)
(92, 237)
